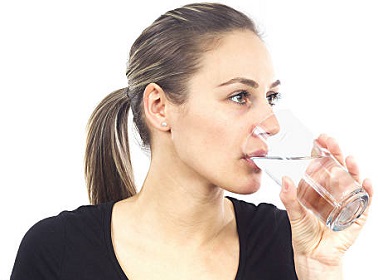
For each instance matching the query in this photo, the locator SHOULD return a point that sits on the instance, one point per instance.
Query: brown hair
(168, 53)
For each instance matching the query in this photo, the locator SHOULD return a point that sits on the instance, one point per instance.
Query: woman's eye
(240, 98)
(273, 98)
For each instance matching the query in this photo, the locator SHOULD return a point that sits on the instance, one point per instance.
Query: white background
(58, 59)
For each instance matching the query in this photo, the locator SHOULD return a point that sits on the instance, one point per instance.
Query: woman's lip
(252, 164)
(258, 153)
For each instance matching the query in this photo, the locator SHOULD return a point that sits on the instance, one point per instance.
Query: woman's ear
(154, 102)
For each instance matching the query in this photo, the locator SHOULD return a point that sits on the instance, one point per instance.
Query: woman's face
(233, 90)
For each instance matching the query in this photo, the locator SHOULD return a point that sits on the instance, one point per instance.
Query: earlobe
(154, 101)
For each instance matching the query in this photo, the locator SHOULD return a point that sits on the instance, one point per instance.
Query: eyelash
(244, 95)
(272, 98)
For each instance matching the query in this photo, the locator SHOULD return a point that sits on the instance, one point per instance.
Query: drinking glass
(281, 145)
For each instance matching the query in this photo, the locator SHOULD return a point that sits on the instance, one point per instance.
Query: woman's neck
(182, 207)
(176, 223)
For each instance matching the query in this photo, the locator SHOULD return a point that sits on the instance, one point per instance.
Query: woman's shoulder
(250, 209)
(48, 242)
(85, 216)
(263, 218)
(265, 241)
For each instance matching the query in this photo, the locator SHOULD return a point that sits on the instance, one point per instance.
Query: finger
(368, 187)
(288, 197)
(352, 167)
(322, 139)
(331, 145)
(335, 150)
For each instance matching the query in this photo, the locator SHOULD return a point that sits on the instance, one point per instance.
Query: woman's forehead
(240, 54)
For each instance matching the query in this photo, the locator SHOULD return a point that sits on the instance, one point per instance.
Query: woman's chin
(249, 187)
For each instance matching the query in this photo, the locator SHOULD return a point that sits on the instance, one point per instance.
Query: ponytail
(108, 169)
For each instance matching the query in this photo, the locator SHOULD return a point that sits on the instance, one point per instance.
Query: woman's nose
(270, 125)
(267, 126)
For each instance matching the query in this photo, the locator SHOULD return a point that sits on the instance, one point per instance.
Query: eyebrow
(247, 82)
(275, 84)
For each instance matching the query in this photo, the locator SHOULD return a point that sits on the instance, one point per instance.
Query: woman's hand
(318, 251)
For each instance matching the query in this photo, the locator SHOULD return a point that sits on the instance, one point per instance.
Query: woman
(199, 79)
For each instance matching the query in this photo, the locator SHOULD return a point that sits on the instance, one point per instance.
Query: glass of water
(282, 146)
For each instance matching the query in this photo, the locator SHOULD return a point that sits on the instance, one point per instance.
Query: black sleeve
(41, 251)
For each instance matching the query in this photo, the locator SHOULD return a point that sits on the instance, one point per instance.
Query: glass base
(349, 210)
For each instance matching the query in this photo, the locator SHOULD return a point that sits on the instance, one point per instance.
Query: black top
(77, 245)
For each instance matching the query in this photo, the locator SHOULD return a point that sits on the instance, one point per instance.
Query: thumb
(289, 199)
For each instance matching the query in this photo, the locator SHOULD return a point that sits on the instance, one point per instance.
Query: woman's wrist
(310, 268)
